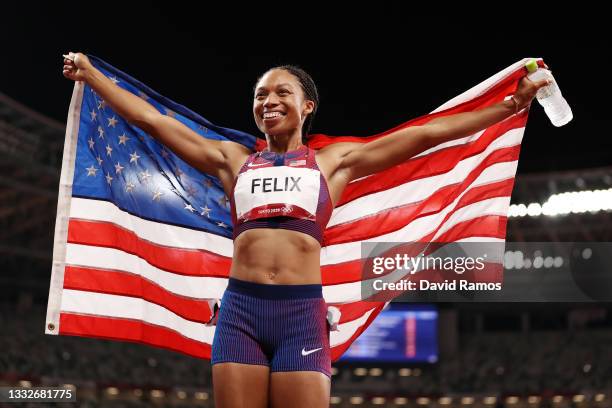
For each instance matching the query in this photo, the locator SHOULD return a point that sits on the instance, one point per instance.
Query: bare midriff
(276, 256)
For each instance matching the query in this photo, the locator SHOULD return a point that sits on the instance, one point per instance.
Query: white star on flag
(94, 115)
(145, 175)
(221, 224)
(112, 121)
(157, 195)
(129, 187)
(189, 208)
(109, 178)
(99, 159)
(101, 132)
(118, 168)
(91, 171)
(91, 143)
(123, 138)
(114, 80)
(205, 211)
(101, 104)
(134, 158)
(109, 150)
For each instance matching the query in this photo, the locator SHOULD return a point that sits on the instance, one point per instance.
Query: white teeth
(269, 115)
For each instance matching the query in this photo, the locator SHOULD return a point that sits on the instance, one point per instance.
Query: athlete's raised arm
(221, 159)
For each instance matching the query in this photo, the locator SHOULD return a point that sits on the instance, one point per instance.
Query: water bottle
(555, 105)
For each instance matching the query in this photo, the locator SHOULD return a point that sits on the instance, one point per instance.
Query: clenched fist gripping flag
(143, 240)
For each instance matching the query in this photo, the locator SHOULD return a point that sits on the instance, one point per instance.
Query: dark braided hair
(310, 93)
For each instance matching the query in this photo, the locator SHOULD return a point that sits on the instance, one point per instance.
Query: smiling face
(279, 106)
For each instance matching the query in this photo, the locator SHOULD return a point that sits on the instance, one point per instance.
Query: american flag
(143, 240)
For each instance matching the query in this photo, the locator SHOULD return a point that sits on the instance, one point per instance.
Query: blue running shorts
(283, 327)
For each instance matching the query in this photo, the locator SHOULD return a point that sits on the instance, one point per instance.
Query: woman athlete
(271, 344)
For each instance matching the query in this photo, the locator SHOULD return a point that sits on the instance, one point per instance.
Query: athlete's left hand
(527, 90)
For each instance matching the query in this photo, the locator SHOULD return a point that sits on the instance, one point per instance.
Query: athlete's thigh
(305, 389)
(240, 385)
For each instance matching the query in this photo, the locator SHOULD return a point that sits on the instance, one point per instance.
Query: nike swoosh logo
(256, 165)
(305, 353)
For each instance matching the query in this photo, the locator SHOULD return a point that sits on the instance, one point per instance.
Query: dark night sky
(374, 68)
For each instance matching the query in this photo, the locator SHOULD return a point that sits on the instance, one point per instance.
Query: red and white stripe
(118, 276)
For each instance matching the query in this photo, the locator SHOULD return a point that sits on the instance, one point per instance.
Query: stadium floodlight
(557, 399)
(404, 372)
(201, 395)
(538, 262)
(548, 262)
(518, 259)
(376, 372)
(157, 394)
(511, 400)
(360, 372)
(534, 399)
(586, 253)
(534, 209)
(573, 202)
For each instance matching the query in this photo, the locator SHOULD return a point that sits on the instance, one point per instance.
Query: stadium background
(372, 73)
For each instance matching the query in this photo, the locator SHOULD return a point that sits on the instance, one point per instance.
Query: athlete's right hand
(76, 66)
